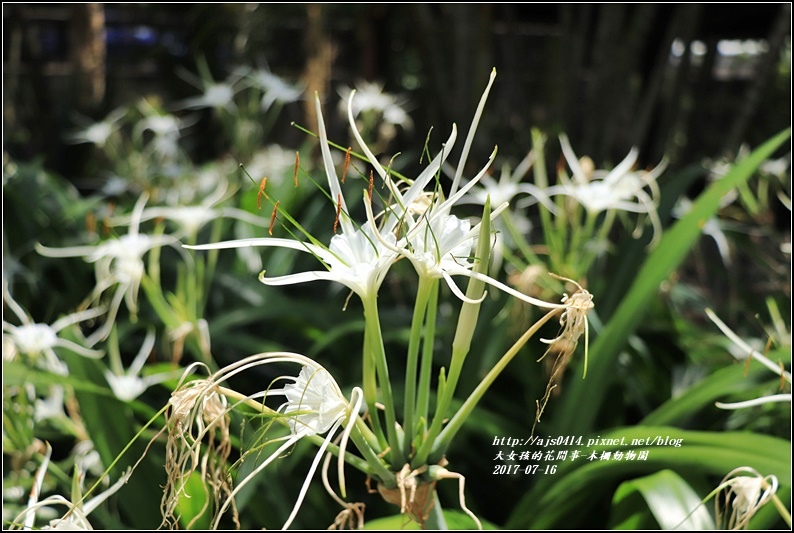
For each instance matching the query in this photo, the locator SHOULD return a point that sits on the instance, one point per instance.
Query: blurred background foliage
(689, 82)
(686, 81)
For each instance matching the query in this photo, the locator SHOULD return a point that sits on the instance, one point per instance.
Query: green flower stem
(423, 399)
(519, 239)
(465, 410)
(377, 351)
(591, 252)
(467, 322)
(542, 181)
(781, 508)
(374, 464)
(580, 240)
(369, 383)
(420, 307)
(114, 355)
(369, 435)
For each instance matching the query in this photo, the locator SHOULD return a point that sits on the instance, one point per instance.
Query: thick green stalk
(519, 239)
(542, 181)
(582, 238)
(378, 353)
(467, 322)
(423, 399)
(370, 387)
(422, 296)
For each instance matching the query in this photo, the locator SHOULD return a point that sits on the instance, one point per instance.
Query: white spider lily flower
(118, 262)
(739, 497)
(98, 133)
(372, 98)
(216, 95)
(274, 88)
(38, 341)
(166, 129)
(354, 258)
(315, 401)
(747, 351)
(51, 407)
(315, 405)
(76, 518)
(438, 244)
(128, 385)
(508, 187)
(619, 189)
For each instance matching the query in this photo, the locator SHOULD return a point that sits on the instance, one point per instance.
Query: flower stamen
(273, 218)
(338, 211)
(261, 193)
(297, 166)
(347, 163)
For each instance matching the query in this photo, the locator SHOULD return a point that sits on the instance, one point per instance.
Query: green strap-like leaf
(669, 498)
(571, 493)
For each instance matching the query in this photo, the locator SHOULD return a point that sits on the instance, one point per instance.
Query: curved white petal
(259, 241)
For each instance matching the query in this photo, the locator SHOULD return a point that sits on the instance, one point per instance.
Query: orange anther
(261, 193)
(371, 185)
(273, 218)
(347, 163)
(338, 211)
(297, 166)
(90, 222)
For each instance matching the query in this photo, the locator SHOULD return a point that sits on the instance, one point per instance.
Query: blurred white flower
(51, 407)
(166, 130)
(38, 341)
(274, 88)
(128, 385)
(216, 95)
(273, 161)
(98, 133)
(620, 189)
(119, 262)
(712, 227)
(191, 218)
(779, 168)
(370, 97)
(507, 190)
(76, 517)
